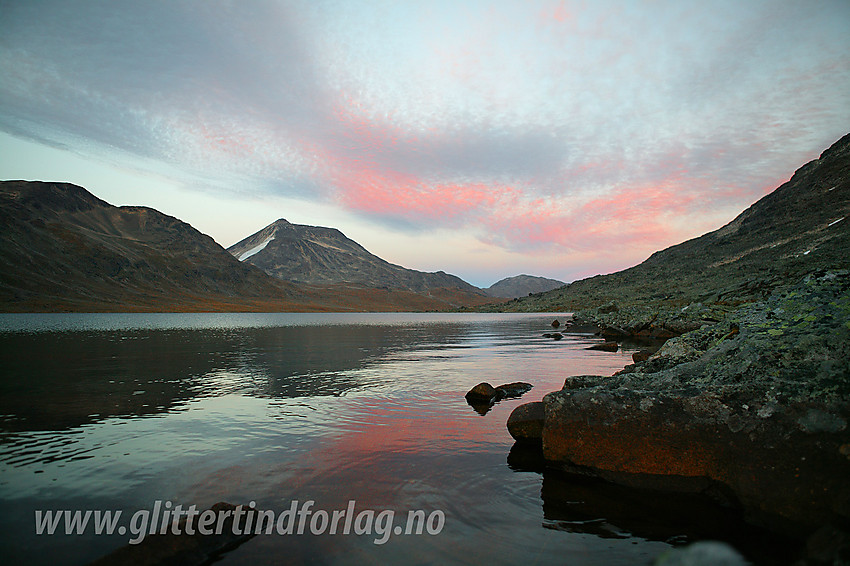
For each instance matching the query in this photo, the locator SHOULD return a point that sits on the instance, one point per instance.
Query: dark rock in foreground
(526, 422)
(587, 505)
(753, 409)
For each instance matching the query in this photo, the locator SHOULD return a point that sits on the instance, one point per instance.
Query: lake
(119, 411)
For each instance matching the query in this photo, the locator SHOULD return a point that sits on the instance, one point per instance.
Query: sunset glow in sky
(486, 139)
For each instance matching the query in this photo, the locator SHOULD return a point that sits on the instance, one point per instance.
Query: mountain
(521, 286)
(800, 227)
(62, 247)
(317, 255)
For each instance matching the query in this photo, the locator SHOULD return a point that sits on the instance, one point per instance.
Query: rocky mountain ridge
(63, 245)
(64, 249)
(317, 255)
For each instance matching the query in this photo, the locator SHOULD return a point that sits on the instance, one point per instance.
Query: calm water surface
(115, 411)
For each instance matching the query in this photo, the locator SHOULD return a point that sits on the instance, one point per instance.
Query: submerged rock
(516, 389)
(555, 323)
(605, 347)
(185, 549)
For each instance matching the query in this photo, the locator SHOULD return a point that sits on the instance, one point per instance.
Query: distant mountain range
(521, 286)
(64, 249)
(317, 255)
(800, 227)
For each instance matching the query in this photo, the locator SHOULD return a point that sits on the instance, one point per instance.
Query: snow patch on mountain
(256, 249)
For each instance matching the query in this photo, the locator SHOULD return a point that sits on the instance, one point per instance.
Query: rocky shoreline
(747, 403)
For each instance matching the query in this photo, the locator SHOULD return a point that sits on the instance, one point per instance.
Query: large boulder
(755, 407)
(779, 464)
(526, 422)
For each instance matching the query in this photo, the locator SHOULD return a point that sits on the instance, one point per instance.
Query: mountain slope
(522, 285)
(63, 247)
(317, 255)
(800, 227)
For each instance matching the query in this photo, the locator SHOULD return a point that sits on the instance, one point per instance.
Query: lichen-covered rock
(642, 355)
(758, 402)
(794, 347)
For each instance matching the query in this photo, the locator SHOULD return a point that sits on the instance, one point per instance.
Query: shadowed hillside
(64, 249)
(798, 228)
(62, 246)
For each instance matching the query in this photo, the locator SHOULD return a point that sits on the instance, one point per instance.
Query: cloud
(559, 126)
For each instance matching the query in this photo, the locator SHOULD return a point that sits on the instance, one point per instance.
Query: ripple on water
(267, 408)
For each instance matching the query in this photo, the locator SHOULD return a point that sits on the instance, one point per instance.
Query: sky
(486, 139)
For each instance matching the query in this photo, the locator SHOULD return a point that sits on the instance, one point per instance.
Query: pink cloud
(630, 217)
(642, 212)
(555, 14)
(358, 162)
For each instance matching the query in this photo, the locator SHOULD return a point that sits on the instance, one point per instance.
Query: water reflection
(117, 417)
(64, 380)
(579, 504)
